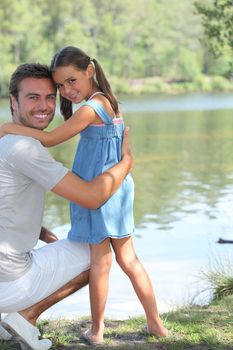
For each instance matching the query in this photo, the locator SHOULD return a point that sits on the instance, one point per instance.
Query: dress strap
(95, 94)
(99, 109)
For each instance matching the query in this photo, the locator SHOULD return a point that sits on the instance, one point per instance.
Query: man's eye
(52, 98)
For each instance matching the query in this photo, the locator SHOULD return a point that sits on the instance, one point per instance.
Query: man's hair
(27, 70)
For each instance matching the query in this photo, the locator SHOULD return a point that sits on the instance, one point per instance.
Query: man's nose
(43, 105)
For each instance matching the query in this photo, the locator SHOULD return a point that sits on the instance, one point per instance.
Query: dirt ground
(128, 339)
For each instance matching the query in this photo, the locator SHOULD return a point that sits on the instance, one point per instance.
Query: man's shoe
(4, 335)
(24, 332)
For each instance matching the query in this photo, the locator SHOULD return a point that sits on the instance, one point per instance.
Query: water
(192, 102)
(184, 199)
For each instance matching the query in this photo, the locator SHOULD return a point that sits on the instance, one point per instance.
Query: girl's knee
(127, 263)
(101, 254)
(103, 264)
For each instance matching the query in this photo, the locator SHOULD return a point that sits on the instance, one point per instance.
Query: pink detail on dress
(115, 121)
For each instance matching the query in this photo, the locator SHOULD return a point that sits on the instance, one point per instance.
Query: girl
(79, 78)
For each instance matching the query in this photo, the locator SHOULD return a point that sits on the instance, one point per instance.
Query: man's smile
(41, 116)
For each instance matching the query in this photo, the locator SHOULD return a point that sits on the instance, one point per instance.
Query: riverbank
(163, 86)
(192, 327)
(160, 85)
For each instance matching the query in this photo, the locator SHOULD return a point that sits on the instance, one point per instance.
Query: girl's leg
(101, 260)
(128, 261)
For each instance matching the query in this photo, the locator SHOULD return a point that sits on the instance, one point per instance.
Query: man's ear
(13, 102)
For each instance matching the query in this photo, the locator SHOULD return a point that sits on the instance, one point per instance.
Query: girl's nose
(67, 89)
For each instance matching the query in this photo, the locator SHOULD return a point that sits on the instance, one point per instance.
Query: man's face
(36, 103)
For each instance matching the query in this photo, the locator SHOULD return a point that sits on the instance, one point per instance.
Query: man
(33, 280)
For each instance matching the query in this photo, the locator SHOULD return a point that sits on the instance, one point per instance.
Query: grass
(191, 328)
(220, 279)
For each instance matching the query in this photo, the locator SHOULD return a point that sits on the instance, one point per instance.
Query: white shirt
(27, 171)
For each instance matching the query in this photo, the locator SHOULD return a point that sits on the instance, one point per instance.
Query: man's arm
(94, 193)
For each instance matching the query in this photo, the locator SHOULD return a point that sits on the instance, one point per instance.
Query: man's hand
(126, 151)
(47, 236)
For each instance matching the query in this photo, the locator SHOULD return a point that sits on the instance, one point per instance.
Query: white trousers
(53, 265)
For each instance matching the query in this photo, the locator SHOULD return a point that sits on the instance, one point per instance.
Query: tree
(217, 18)
(132, 39)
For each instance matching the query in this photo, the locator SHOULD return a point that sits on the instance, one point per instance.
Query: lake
(183, 148)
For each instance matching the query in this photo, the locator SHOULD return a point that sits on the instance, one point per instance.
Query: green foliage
(215, 83)
(217, 18)
(132, 39)
(224, 286)
(220, 279)
(5, 346)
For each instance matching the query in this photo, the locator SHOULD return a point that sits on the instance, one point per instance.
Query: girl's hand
(3, 129)
(2, 132)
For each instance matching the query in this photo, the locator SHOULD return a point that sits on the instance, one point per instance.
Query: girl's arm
(74, 125)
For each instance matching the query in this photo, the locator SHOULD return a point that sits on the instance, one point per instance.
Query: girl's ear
(90, 70)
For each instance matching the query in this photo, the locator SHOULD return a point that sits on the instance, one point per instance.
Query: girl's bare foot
(157, 329)
(92, 339)
(94, 336)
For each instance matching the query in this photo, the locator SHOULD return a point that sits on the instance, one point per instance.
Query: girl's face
(73, 84)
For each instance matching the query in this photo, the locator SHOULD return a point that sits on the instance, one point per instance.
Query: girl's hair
(71, 55)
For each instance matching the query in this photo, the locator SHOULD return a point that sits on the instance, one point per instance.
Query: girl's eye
(72, 81)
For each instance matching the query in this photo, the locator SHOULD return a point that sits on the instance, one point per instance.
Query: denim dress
(99, 149)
